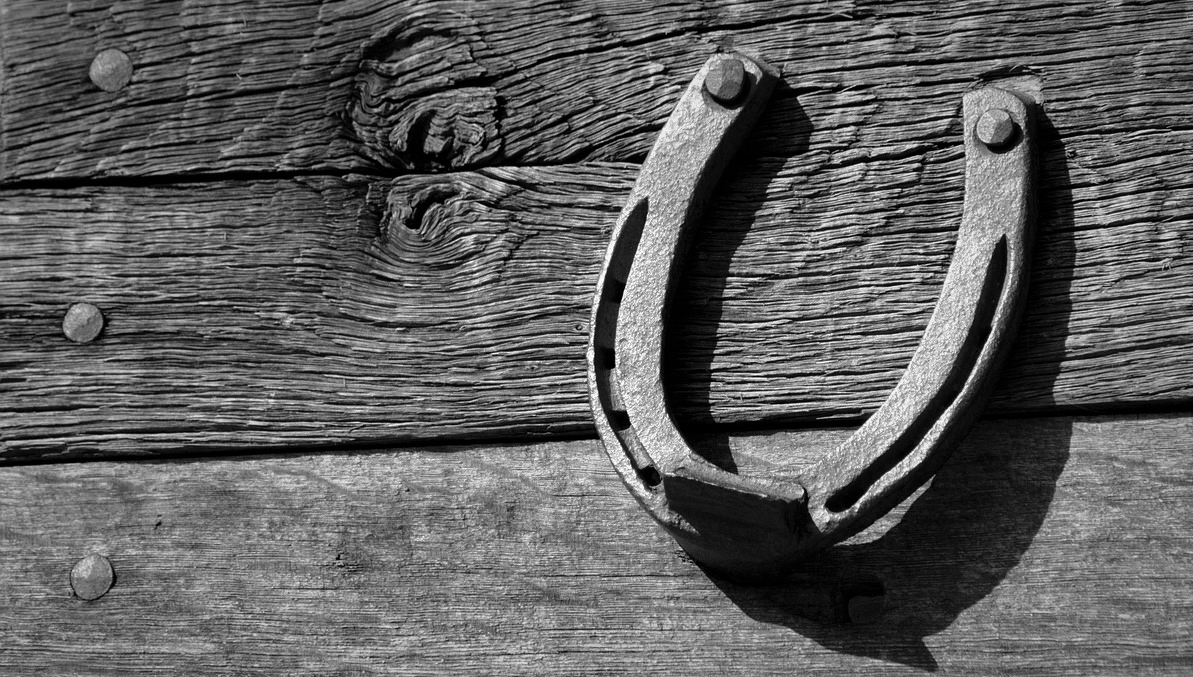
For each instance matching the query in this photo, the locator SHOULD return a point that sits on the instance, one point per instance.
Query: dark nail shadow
(959, 538)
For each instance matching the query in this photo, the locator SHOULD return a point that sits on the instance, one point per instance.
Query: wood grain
(1048, 546)
(318, 86)
(259, 296)
(325, 311)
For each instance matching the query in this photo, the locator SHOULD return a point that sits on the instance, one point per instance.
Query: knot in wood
(420, 211)
(421, 101)
(445, 233)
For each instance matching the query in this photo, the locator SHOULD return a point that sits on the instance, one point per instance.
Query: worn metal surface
(996, 128)
(83, 322)
(111, 70)
(92, 577)
(752, 527)
(726, 81)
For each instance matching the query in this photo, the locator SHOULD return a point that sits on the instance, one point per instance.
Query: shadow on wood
(742, 193)
(961, 536)
(952, 548)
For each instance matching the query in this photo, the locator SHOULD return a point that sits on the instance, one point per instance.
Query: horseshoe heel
(755, 527)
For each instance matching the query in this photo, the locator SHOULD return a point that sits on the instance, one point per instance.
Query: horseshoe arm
(966, 340)
(636, 282)
(755, 527)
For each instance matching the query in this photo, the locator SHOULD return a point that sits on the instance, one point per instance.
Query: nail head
(83, 322)
(111, 70)
(726, 81)
(996, 128)
(92, 577)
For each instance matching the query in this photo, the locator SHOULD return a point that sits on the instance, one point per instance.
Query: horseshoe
(755, 527)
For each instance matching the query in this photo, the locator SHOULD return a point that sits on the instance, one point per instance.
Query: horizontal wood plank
(1047, 546)
(317, 86)
(325, 311)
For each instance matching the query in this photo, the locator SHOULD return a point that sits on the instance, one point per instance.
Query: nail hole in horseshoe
(641, 461)
(617, 272)
(605, 358)
(970, 350)
(627, 246)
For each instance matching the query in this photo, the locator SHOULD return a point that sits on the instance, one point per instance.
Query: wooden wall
(336, 422)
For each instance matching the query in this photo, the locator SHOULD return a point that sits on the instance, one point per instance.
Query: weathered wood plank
(322, 311)
(356, 84)
(1048, 546)
(306, 313)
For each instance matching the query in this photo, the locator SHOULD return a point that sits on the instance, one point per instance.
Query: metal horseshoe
(754, 527)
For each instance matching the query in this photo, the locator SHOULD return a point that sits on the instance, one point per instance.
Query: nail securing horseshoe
(754, 527)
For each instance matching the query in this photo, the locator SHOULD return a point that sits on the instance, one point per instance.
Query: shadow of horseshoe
(961, 536)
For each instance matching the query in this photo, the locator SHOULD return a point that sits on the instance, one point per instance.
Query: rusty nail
(111, 70)
(995, 128)
(83, 322)
(726, 81)
(92, 577)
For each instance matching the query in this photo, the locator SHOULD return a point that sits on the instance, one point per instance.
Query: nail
(92, 577)
(996, 128)
(726, 81)
(83, 322)
(111, 70)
